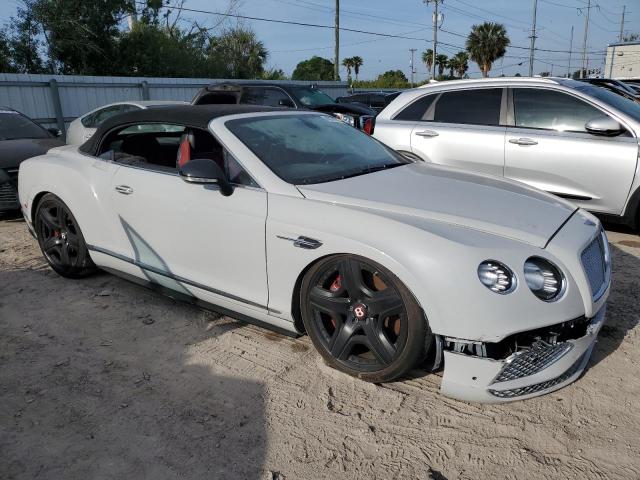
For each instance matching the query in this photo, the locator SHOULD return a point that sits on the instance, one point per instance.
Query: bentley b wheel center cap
(360, 311)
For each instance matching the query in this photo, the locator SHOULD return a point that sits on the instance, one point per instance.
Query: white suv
(569, 138)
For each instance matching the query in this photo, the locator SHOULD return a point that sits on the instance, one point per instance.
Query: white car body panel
(430, 226)
(569, 164)
(77, 133)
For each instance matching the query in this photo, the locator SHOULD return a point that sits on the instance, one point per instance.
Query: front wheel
(362, 319)
(60, 238)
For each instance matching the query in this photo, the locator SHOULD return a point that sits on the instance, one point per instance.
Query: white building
(623, 60)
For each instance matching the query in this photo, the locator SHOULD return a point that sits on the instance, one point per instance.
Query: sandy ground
(103, 379)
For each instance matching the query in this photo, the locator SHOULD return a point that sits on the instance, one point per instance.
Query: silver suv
(573, 139)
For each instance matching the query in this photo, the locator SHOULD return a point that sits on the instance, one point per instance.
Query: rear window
(475, 107)
(14, 125)
(417, 110)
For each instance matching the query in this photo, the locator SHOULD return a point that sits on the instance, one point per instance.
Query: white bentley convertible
(300, 222)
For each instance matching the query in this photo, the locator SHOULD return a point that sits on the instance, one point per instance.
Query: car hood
(489, 204)
(344, 108)
(12, 152)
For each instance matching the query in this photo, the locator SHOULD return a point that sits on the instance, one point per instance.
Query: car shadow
(623, 308)
(104, 379)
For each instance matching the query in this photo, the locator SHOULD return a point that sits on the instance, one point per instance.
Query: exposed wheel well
(36, 202)
(295, 300)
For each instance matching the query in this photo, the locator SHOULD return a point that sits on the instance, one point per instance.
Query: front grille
(594, 262)
(538, 387)
(8, 197)
(533, 360)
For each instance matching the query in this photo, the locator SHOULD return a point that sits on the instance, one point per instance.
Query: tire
(61, 240)
(362, 319)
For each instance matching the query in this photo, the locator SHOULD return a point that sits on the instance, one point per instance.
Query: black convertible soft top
(196, 116)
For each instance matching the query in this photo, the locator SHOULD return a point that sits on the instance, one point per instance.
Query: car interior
(166, 148)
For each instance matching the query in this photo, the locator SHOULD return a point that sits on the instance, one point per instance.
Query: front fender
(436, 261)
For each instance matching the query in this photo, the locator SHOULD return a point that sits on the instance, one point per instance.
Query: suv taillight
(368, 125)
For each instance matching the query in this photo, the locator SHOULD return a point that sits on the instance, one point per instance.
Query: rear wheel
(362, 319)
(60, 238)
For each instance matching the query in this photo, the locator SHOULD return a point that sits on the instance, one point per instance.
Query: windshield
(311, 97)
(307, 149)
(13, 126)
(623, 104)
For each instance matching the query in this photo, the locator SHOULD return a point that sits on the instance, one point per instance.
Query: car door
(549, 148)
(465, 129)
(191, 238)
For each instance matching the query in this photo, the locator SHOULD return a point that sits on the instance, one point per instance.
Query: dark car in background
(374, 100)
(20, 138)
(616, 86)
(288, 95)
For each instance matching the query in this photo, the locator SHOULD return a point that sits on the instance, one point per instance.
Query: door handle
(523, 141)
(123, 189)
(427, 133)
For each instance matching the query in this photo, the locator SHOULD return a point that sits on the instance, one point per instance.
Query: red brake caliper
(335, 286)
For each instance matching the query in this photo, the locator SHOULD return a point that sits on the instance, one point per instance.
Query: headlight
(496, 276)
(543, 278)
(346, 118)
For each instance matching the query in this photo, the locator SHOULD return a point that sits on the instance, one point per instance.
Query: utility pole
(435, 34)
(585, 62)
(336, 65)
(413, 70)
(624, 7)
(570, 50)
(533, 37)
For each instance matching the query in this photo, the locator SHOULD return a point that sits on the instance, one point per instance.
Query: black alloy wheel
(362, 319)
(60, 238)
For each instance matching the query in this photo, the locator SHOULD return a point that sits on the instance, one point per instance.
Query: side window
(235, 173)
(102, 115)
(417, 110)
(270, 97)
(550, 110)
(472, 107)
(147, 145)
(377, 101)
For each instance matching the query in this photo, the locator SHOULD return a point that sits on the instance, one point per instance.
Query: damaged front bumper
(541, 367)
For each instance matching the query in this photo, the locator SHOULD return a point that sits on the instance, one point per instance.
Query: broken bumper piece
(540, 368)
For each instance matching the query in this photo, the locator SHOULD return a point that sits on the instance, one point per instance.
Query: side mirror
(55, 132)
(203, 171)
(604, 126)
(285, 102)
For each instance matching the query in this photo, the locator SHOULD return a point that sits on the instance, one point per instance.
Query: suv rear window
(417, 110)
(474, 107)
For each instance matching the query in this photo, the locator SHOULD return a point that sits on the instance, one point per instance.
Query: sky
(290, 44)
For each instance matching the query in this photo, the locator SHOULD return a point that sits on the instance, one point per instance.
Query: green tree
(427, 59)
(487, 43)
(441, 63)
(461, 63)
(274, 74)
(6, 64)
(316, 68)
(357, 63)
(241, 53)
(80, 37)
(392, 79)
(150, 50)
(348, 64)
(24, 45)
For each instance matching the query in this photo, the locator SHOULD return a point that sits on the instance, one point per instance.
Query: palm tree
(427, 59)
(357, 63)
(486, 43)
(461, 63)
(348, 63)
(441, 63)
